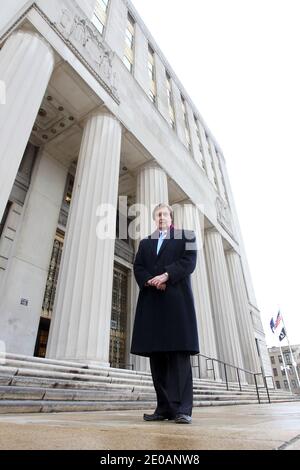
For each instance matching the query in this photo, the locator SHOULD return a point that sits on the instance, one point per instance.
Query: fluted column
(26, 64)
(243, 319)
(228, 342)
(188, 216)
(80, 329)
(152, 189)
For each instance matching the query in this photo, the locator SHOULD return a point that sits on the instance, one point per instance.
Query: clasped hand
(159, 282)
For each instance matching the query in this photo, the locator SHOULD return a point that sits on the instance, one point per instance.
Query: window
(215, 183)
(287, 358)
(280, 359)
(100, 14)
(186, 124)
(4, 218)
(272, 359)
(278, 384)
(199, 141)
(69, 189)
(151, 70)
(275, 372)
(294, 385)
(286, 384)
(283, 372)
(170, 101)
(128, 58)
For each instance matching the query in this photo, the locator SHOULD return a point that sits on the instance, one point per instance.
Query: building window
(287, 358)
(128, 58)
(69, 189)
(100, 14)
(272, 359)
(170, 101)
(280, 359)
(199, 141)
(5, 215)
(186, 124)
(283, 372)
(275, 372)
(277, 384)
(215, 183)
(151, 70)
(286, 384)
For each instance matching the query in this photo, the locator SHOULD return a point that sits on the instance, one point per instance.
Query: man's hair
(160, 206)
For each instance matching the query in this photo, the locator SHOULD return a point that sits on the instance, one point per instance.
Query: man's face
(163, 218)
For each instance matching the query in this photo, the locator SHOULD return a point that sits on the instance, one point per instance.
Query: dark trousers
(173, 383)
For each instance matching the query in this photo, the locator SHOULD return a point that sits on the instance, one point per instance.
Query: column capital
(148, 166)
(212, 230)
(101, 111)
(34, 35)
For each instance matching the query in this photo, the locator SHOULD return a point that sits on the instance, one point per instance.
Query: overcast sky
(239, 62)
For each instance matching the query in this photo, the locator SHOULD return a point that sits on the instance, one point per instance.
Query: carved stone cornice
(83, 39)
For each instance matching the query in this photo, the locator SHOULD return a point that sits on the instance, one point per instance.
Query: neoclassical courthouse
(92, 114)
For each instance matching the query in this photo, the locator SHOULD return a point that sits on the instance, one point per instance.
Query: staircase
(35, 385)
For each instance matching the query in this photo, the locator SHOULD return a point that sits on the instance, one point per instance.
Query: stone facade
(79, 131)
(286, 367)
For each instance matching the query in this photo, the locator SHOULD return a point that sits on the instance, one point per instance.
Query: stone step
(30, 384)
(31, 393)
(50, 406)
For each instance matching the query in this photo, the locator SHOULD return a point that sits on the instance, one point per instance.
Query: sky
(239, 62)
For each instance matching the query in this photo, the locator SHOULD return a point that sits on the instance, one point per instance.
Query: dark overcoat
(166, 320)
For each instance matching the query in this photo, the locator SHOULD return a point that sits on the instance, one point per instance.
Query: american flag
(278, 319)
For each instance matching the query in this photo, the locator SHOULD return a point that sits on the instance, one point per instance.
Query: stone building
(92, 114)
(284, 371)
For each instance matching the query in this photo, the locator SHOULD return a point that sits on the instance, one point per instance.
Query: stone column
(242, 312)
(80, 328)
(26, 65)
(188, 216)
(27, 269)
(152, 189)
(228, 342)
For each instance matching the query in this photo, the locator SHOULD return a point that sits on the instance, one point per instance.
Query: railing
(226, 366)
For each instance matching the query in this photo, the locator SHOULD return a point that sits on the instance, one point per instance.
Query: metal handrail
(226, 365)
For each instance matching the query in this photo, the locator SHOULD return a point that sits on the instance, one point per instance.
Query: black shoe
(183, 419)
(154, 417)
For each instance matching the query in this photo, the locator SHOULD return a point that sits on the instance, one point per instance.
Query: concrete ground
(245, 427)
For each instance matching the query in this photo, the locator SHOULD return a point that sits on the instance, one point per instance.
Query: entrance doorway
(118, 327)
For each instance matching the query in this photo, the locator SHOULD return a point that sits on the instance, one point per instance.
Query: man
(165, 327)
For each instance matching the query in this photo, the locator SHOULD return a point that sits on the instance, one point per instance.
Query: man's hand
(158, 281)
(161, 287)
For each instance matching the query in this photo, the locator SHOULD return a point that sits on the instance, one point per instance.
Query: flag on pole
(272, 325)
(278, 319)
(282, 334)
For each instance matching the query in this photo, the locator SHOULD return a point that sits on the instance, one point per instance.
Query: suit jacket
(166, 320)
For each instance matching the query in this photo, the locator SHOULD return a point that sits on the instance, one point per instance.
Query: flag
(272, 325)
(278, 319)
(282, 334)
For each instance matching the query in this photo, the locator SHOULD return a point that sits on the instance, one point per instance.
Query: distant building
(280, 377)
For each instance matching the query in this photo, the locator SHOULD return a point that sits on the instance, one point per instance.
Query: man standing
(165, 327)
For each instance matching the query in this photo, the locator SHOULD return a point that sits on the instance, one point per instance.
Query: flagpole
(294, 364)
(286, 371)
